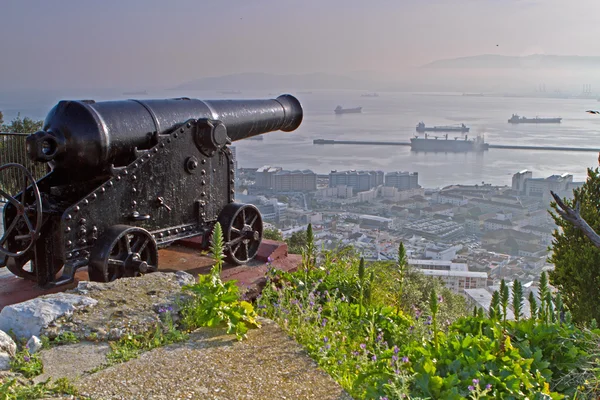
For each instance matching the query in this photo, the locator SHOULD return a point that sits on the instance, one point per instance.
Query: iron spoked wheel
(242, 232)
(23, 216)
(16, 265)
(123, 251)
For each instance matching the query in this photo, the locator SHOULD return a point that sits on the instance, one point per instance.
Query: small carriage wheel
(242, 232)
(16, 264)
(123, 251)
(23, 213)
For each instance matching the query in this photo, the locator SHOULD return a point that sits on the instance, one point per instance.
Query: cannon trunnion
(169, 183)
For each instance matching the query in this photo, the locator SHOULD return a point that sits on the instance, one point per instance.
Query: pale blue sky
(78, 43)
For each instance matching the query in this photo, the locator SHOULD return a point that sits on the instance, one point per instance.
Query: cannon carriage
(129, 177)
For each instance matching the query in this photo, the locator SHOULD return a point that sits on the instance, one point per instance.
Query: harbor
(490, 146)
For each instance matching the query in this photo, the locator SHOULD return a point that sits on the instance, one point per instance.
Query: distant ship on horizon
(458, 145)
(342, 110)
(515, 119)
(448, 128)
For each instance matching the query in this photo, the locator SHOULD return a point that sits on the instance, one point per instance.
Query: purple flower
(325, 339)
(394, 358)
(471, 388)
(26, 358)
(324, 322)
(417, 314)
(327, 346)
(269, 260)
(475, 381)
(383, 398)
(440, 299)
(363, 346)
(374, 358)
(396, 350)
(488, 386)
(404, 359)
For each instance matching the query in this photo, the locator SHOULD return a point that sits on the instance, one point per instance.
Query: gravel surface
(212, 365)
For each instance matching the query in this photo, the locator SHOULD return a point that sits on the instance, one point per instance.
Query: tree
(1, 119)
(25, 125)
(576, 253)
(272, 234)
(297, 242)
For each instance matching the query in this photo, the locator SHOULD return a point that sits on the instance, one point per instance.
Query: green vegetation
(131, 346)
(64, 338)
(297, 242)
(13, 389)
(385, 331)
(21, 125)
(215, 302)
(575, 257)
(272, 234)
(27, 364)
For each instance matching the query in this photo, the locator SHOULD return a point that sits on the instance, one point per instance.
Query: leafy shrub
(384, 331)
(215, 302)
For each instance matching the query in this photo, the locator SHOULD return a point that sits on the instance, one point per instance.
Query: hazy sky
(128, 43)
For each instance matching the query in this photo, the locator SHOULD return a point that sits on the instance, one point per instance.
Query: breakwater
(491, 146)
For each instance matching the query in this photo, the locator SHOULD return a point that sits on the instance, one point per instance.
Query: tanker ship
(435, 144)
(515, 119)
(341, 110)
(452, 128)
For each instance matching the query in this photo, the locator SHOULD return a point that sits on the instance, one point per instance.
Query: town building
(402, 180)
(264, 176)
(294, 181)
(360, 181)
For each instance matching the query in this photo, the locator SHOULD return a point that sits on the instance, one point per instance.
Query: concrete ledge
(183, 256)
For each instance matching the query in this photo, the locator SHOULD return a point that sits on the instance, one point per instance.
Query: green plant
(65, 338)
(272, 234)
(28, 364)
(131, 346)
(215, 302)
(576, 274)
(517, 299)
(12, 389)
(402, 264)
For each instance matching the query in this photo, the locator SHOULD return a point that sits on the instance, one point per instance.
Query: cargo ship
(515, 119)
(456, 145)
(341, 110)
(452, 128)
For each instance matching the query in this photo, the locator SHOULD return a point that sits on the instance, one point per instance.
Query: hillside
(263, 81)
(511, 62)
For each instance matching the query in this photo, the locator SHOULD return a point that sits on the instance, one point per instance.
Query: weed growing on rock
(131, 346)
(27, 364)
(15, 389)
(215, 302)
(65, 338)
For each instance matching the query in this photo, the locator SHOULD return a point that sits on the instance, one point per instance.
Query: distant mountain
(263, 81)
(536, 61)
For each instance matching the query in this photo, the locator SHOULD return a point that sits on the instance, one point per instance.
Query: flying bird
(593, 112)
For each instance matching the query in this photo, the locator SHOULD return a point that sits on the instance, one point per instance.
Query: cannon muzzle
(89, 135)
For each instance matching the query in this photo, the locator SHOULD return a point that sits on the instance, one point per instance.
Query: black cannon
(129, 177)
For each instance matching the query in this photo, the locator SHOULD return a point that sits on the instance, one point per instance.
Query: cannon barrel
(87, 134)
